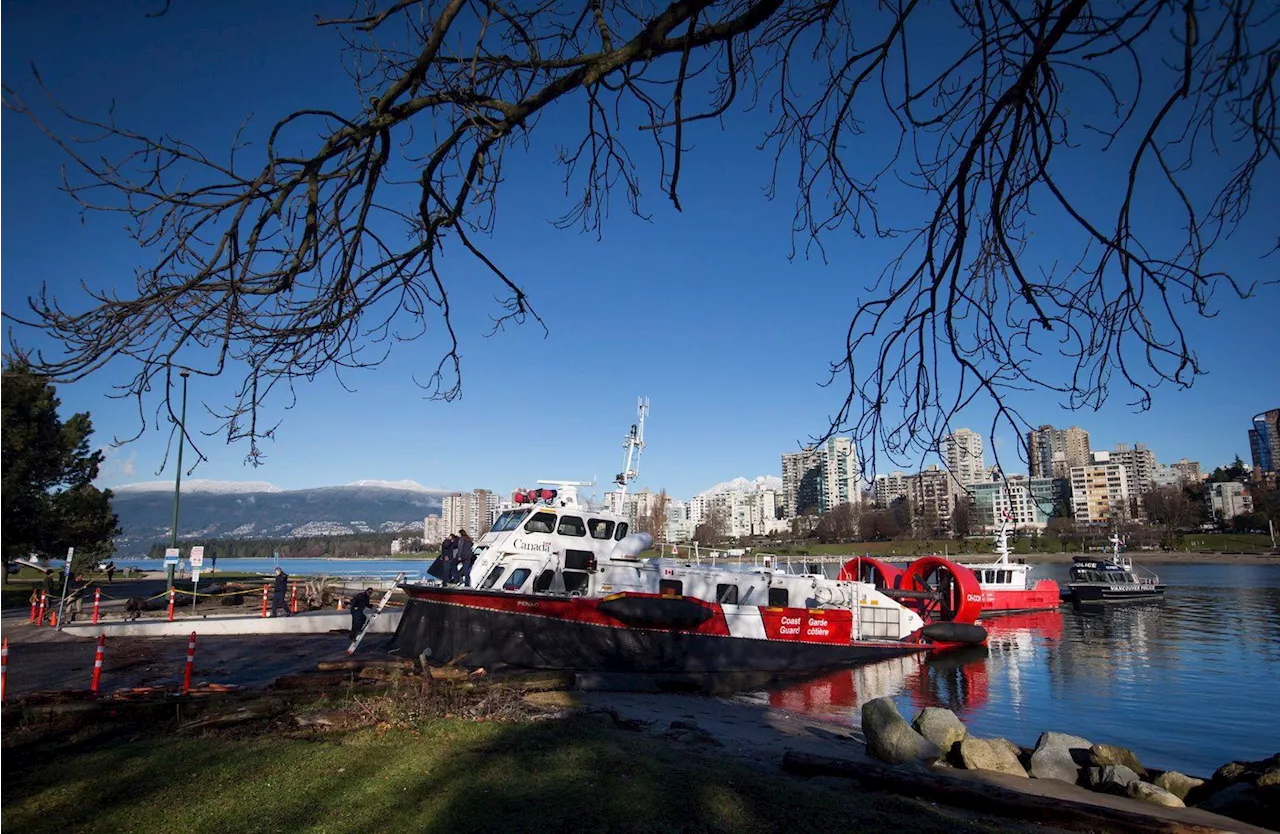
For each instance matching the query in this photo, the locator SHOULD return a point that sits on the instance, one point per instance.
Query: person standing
(359, 603)
(466, 557)
(448, 563)
(277, 598)
(111, 571)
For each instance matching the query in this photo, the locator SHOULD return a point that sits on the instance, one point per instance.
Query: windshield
(509, 520)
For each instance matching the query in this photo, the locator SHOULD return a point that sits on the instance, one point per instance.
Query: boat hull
(1088, 594)
(1045, 596)
(479, 628)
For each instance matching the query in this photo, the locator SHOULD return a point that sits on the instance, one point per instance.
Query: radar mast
(634, 444)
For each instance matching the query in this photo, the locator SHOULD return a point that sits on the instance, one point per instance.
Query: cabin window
(541, 523)
(1002, 576)
(543, 582)
(621, 532)
(778, 597)
(516, 579)
(986, 575)
(727, 594)
(579, 560)
(509, 520)
(575, 581)
(601, 529)
(492, 577)
(671, 587)
(571, 526)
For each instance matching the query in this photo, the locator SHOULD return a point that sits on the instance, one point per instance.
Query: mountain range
(228, 509)
(211, 509)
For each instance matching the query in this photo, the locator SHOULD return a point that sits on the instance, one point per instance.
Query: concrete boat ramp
(304, 622)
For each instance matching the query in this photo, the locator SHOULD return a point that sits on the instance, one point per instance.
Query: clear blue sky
(701, 311)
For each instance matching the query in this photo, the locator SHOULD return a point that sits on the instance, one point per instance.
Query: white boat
(562, 585)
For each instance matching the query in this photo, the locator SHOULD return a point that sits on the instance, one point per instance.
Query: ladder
(370, 616)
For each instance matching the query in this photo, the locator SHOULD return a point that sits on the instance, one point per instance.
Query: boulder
(889, 736)
(989, 754)
(1266, 771)
(1113, 779)
(939, 726)
(1178, 784)
(1147, 792)
(1059, 756)
(1244, 802)
(1101, 755)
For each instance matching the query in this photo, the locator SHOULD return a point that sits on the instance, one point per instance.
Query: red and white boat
(1007, 585)
(561, 585)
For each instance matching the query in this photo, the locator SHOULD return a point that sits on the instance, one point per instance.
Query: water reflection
(1180, 682)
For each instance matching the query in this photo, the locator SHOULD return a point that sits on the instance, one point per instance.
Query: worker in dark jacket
(359, 603)
(448, 560)
(278, 591)
(466, 557)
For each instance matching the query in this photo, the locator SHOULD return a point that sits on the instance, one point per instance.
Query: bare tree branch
(324, 251)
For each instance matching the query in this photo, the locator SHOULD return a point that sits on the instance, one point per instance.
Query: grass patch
(444, 775)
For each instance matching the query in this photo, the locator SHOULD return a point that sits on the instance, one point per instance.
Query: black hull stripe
(486, 637)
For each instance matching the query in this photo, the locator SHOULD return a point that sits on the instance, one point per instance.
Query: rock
(1267, 770)
(1176, 783)
(1101, 755)
(889, 736)
(1059, 756)
(1147, 792)
(939, 726)
(1113, 779)
(1243, 802)
(990, 754)
(688, 732)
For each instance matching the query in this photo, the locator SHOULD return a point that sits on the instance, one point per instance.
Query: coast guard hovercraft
(559, 585)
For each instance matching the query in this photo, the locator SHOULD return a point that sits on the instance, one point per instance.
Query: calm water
(1189, 683)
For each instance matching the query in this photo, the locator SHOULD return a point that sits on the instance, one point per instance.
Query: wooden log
(242, 713)
(987, 798)
(311, 680)
(366, 663)
(538, 681)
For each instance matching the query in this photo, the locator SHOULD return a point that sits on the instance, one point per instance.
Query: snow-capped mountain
(412, 486)
(267, 511)
(200, 485)
(760, 482)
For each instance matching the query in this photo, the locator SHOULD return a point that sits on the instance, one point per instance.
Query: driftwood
(987, 798)
(365, 663)
(251, 711)
(537, 681)
(311, 680)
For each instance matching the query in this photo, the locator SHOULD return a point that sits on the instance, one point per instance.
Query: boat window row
(995, 576)
(726, 593)
(572, 525)
(1101, 576)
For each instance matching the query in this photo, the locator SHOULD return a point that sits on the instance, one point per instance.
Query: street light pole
(177, 478)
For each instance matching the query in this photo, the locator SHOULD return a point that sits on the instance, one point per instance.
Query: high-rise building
(962, 452)
(1188, 470)
(1027, 503)
(1055, 452)
(1264, 444)
(933, 501)
(472, 511)
(1100, 492)
(433, 529)
(888, 488)
(1140, 462)
(820, 478)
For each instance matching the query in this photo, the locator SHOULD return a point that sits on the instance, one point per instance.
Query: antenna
(634, 444)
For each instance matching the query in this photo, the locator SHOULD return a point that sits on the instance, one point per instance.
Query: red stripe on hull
(1043, 597)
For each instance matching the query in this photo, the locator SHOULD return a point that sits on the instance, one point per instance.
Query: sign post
(66, 579)
(197, 562)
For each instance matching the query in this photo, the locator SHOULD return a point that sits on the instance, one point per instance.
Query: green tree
(49, 501)
(1237, 471)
